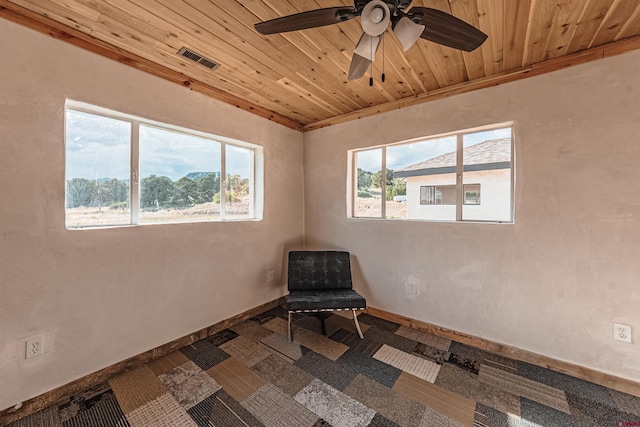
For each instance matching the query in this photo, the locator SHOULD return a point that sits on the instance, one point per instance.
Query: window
(440, 195)
(124, 170)
(463, 176)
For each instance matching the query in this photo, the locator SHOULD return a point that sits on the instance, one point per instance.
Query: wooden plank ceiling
(299, 79)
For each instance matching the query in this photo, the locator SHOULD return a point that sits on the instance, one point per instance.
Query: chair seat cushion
(326, 299)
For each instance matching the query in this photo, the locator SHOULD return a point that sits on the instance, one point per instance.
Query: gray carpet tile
(333, 373)
(222, 337)
(221, 410)
(48, 417)
(468, 354)
(314, 323)
(204, 354)
(433, 418)
(385, 401)
(525, 387)
(274, 408)
(432, 353)
(626, 402)
(380, 323)
(189, 384)
(534, 414)
(375, 338)
(345, 337)
(489, 417)
(245, 350)
(578, 387)
(336, 381)
(105, 412)
(599, 414)
(424, 338)
(380, 421)
(251, 330)
(469, 385)
(282, 347)
(334, 406)
(284, 375)
(393, 340)
(379, 371)
(270, 314)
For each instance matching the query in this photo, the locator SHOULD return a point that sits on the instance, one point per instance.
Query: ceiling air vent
(196, 57)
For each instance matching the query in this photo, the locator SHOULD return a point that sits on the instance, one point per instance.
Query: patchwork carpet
(251, 375)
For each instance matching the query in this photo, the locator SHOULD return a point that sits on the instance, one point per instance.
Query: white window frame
(256, 179)
(352, 175)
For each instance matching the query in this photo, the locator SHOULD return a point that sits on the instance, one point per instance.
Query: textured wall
(101, 296)
(554, 281)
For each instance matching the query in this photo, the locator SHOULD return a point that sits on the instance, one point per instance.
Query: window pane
(239, 186)
(368, 192)
(180, 177)
(487, 166)
(427, 171)
(471, 194)
(97, 170)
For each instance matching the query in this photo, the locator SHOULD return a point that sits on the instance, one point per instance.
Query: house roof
(487, 155)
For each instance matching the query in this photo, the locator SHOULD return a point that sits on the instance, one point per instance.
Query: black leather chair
(320, 281)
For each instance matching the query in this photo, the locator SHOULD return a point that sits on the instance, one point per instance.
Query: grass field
(95, 217)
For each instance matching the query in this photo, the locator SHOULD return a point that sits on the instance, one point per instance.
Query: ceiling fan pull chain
(371, 64)
(382, 58)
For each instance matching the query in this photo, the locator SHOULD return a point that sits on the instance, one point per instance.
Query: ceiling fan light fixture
(407, 32)
(367, 46)
(375, 17)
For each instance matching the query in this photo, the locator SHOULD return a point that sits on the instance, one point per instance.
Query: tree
(208, 185)
(185, 192)
(237, 187)
(81, 192)
(364, 179)
(398, 187)
(376, 178)
(112, 191)
(155, 191)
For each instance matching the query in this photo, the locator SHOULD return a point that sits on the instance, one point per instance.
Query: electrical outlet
(270, 276)
(622, 332)
(412, 288)
(34, 347)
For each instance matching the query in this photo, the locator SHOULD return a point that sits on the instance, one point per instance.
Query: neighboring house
(431, 184)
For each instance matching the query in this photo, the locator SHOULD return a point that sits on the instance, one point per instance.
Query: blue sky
(98, 147)
(401, 156)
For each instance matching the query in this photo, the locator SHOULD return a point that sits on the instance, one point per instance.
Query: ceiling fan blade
(363, 55)
(408, 32)
(447, 30)
(358, 66)
(304, 20)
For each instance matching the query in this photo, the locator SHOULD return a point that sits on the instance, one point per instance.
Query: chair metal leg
(355, 319)
(289, 329)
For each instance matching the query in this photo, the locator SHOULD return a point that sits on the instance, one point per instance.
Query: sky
(401, 156)
(99, 147)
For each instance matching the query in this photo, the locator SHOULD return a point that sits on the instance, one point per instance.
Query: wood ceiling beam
(42, 24)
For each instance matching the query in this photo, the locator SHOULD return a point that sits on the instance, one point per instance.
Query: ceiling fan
(375, 16)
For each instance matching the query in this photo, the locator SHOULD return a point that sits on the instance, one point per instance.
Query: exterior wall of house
(555, 280)
(495, 197)
(100, 296)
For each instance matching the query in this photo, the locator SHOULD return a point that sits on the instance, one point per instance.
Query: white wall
(554, 281)
(101, 296)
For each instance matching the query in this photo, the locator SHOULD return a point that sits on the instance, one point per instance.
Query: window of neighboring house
(463, 176)
(125, 170)
(440, 195)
